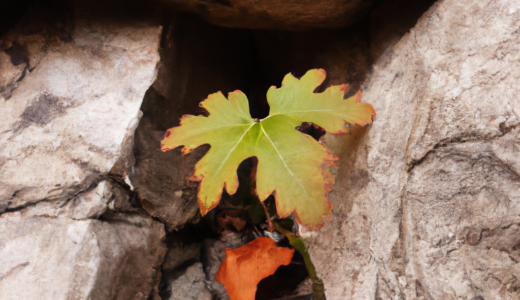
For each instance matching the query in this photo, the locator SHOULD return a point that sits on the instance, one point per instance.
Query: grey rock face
(161, 179)
(60, 258)
(70, 93)
(427, 200)
(103, 197)
(69, 98)
(180, 254)
(191, 285)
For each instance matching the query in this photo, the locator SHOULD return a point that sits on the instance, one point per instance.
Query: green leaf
(291, 165)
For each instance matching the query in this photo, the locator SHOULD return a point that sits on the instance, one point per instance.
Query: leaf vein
(234, 147)
(295, 112)
(283, 161)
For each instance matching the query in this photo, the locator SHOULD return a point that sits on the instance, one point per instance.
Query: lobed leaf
(291, 165)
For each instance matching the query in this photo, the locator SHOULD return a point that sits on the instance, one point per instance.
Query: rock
(90, 204)
(10, 75)
(70, 93)
(273, 14)
(304, 288)
(71, 85)
(180, 254)
(213, 253)
(182, 263)
(124, 166)
(426, 202)
(187, 75)
(100, 198)
(60, 258)
(160, 179)
(191, 285)
(392, 19)
(122, 199)
(182, 266)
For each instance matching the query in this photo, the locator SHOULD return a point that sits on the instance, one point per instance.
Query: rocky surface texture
(70, 95)
(70, 92)
(427, 200)
(191, 285)
(274, 14)
(45, 257)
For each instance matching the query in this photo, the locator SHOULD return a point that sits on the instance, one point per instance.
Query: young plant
(292, 166)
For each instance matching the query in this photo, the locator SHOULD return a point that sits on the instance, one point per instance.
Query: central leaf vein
(234, 147)
(283, 161)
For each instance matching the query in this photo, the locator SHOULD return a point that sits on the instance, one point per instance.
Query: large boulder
(71, 86)
(70, 93)
(44, 257)
(427, 201)
(275, 14)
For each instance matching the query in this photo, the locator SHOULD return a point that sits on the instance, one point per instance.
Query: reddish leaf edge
(329, 184)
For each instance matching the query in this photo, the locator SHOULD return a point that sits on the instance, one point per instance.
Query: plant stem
(318, 290)
(269, 222)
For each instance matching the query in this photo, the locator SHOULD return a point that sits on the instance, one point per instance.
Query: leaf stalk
(318, 289)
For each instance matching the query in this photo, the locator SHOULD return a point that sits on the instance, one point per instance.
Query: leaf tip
(343, 88)
(204, 209)
(322, 72)
(314, 77)
(185, 151)
(164, 148)
(357, 96)
(318, 224)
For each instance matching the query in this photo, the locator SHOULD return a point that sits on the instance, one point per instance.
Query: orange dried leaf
(244, 267)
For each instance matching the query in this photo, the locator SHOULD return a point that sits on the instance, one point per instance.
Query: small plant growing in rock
(292, 166)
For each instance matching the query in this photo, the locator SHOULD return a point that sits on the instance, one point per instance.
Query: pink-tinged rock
(427, 201)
